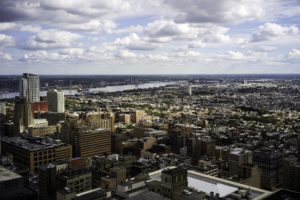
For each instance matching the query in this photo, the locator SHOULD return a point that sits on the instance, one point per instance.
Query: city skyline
(149, 37)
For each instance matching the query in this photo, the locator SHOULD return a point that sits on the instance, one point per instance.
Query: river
(107, 89)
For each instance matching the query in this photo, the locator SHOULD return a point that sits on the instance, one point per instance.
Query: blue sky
(149, 36)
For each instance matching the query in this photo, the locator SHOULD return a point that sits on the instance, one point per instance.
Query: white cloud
(294, 54)
(93, 26)
(89, 8)
(126, 54)
(43, 56)
(196, 44)
(5, 56)
(20, 27)
(51, 38)
(6, 40)
(216, 11)
(236, 55)
(135, 42)
(29, 28)
(7, 26)
(164, 28)
(168, 30)
(271, 31)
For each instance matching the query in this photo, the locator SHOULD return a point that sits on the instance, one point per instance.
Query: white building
(29, 87)
(56, 101)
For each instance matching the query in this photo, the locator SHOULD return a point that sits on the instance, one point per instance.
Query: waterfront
(107, 89)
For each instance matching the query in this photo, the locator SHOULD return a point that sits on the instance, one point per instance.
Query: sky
(149, 36)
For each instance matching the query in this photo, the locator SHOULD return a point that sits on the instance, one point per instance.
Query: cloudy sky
(149, 36)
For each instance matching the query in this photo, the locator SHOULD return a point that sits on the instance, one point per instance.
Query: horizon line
(205, 74)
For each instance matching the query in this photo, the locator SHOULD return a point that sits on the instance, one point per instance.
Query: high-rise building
(291, 174)
(270, 162)
(2, 108)
(291, 171)
(56, 101)
(29, 87)
(23, 118)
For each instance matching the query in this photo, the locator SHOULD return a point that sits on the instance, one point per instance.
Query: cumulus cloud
(50, 39)
(93, 26)
(7, 26)
(87, 7)
(169, 30)
(186, 31)
(43, 56)
(135, 42)
(5, 56)
(19, 27)
(29, 28)
(271, 31)
(6, 40)
(126, 54)
(196, 44)
(294, 54)
(236, 55)
(215, 11)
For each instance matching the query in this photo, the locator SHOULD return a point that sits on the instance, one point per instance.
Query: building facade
(29, 86)
(30, 153)
(56, 101)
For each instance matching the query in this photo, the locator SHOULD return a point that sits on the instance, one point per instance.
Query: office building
(101, 120)
(88, 142)
(56, 101)
(52, 117)
(47, 179)
(77, 180)
(29, 86)
(2, 108)
(207, 167)
(23, 118)
(30, 153)
(291, 174)
(238, 160)
(291, 168)
(271, 164)
(172, 180)
(41, 106)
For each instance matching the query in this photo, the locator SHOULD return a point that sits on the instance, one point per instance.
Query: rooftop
(207, 184)
(174, 171)
(6, 175)
(33, 143)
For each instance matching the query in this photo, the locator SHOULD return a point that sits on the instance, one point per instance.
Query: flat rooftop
(33, 143)
(6, 175)
(207, 184)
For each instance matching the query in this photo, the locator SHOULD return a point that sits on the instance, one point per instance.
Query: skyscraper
(23, 118)
(29, 87)
(2, 108)
(56, 101)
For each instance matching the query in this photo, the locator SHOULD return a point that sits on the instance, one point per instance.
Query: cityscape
(155, 137)
(149, 100)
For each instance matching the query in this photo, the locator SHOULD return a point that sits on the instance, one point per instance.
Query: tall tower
(56, 101)
(29, 87)
(298, 147)
(23, 118)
